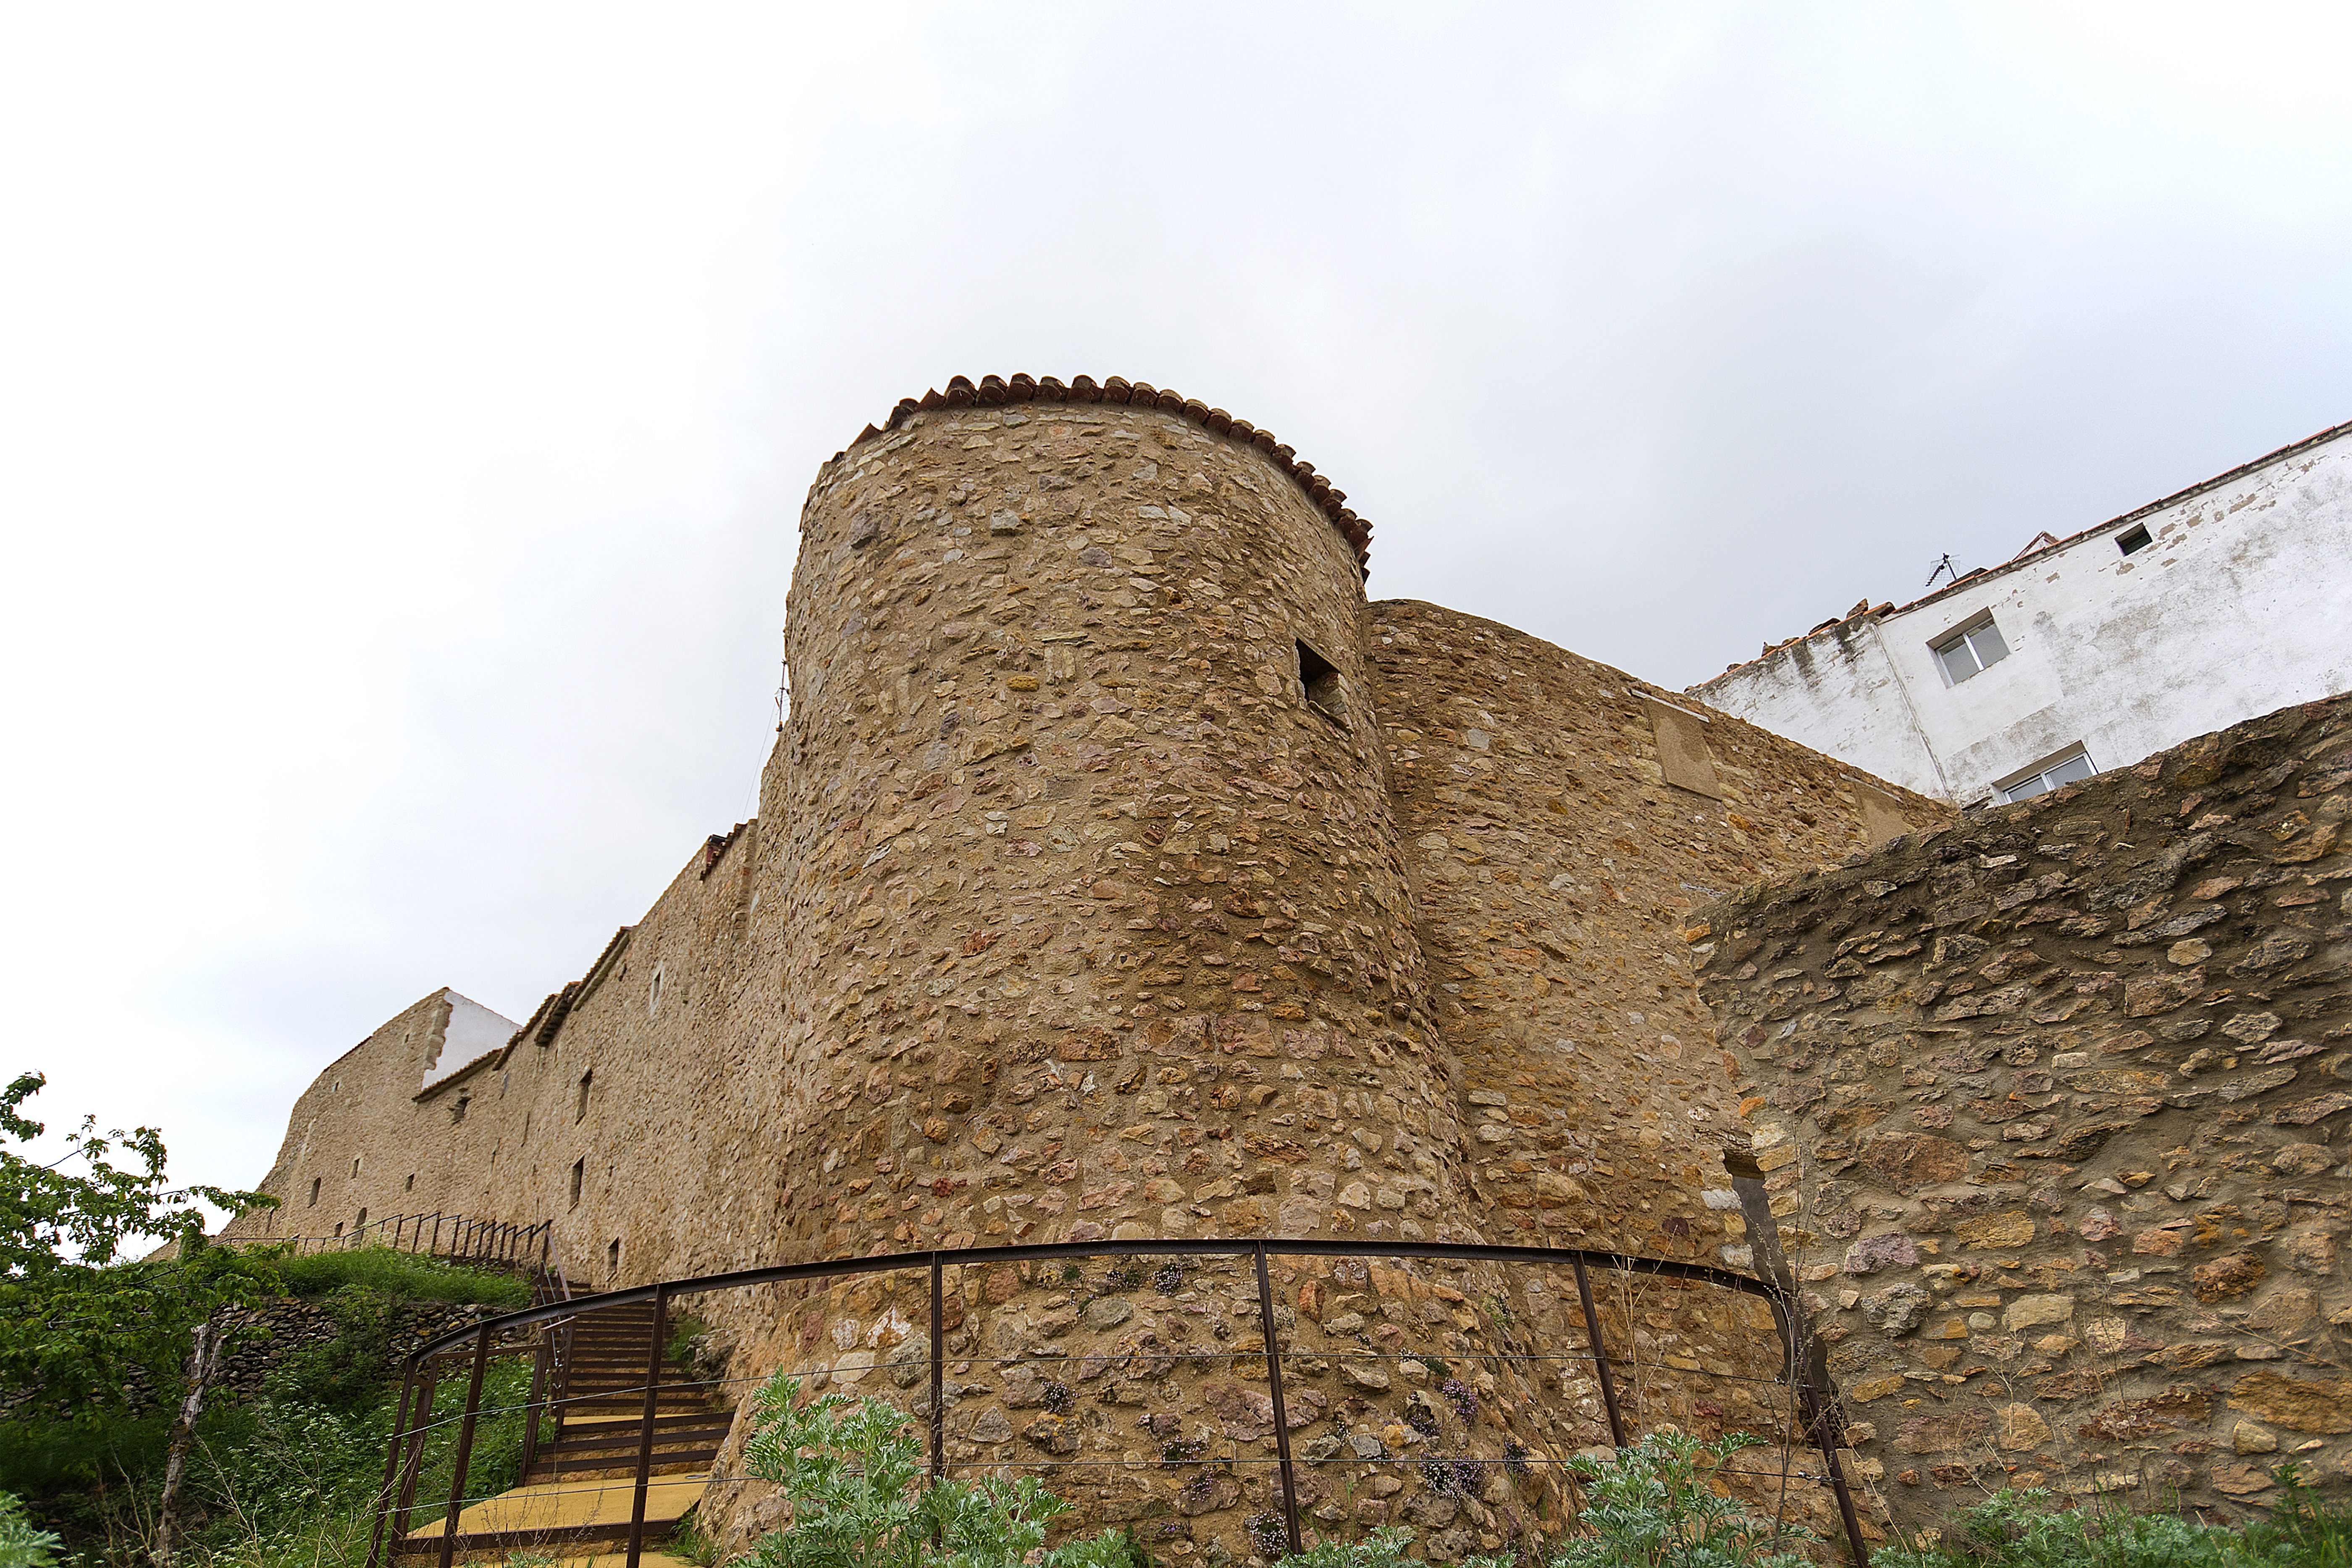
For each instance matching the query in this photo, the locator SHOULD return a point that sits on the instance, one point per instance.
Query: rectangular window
(1318, 678)
(580, 1109)
(314, 1192)
(2068, 767)
(1969, 650)
(579, 1176)
(2131, 541)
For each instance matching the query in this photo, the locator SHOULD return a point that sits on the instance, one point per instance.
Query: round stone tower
(1095, 919)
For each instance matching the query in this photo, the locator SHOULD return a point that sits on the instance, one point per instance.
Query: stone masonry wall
(2055, 1103)
(1072, 911)
(1555, 865)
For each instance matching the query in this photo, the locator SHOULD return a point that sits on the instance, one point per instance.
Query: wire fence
(1614, 1326)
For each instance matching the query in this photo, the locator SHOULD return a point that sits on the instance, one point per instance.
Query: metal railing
(459, 1237)
(1800, 1371)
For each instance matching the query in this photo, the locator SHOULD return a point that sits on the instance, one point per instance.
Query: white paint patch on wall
(2240, 603)
(473, 1032)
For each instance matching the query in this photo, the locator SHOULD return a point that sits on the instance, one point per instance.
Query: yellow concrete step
(558, 1505)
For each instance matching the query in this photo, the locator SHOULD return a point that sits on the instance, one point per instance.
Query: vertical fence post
(392, 1463)
(538, 1388)
(1599, 1356)
(939, 1372)
(413, 1464)
(645, 1437)
(1281, 1425)
(465, 1447)
(435, 1250)
(1809, 1369)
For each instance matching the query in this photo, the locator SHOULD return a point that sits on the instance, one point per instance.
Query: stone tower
(1089, 857)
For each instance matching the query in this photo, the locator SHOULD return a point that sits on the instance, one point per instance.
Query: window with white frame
(1972, 648)
(2065, 770)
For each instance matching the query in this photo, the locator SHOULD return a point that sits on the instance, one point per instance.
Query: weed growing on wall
(854, 1475)
(1383, 1548)
(1651, 1506)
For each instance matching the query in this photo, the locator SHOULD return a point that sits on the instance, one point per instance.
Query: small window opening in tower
(314, 1192)
(1319, 679)
(579, 1178)
(653, 991)
(457, 1111)
(580, 1109)
(410, 1187)
(360, 1223)
(339, 1230)
(355, 1166)
(612, 1256)
(2131, 541)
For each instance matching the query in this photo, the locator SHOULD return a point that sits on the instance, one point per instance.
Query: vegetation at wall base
(851, 1468)
(286, 1478)
(403, 1276)
(2020, 1530)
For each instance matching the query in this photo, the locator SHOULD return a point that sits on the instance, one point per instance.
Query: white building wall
(2242, 604)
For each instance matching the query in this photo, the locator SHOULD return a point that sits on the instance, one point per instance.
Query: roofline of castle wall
(995, 391)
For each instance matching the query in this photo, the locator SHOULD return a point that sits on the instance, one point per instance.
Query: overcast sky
(404, 411)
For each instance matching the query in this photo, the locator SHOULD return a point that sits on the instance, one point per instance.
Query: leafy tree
(74, 1322)
(853, 1475)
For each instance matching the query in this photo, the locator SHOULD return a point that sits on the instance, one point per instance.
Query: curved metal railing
(534, 1331)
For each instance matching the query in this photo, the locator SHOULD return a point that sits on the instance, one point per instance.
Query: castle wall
(1553, 867)
(358, 1146)
(1120, 873)
(2055, 1105)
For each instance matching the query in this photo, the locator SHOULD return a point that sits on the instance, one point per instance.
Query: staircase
(579, 1483)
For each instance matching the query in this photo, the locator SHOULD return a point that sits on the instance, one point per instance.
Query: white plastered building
(2230, 599)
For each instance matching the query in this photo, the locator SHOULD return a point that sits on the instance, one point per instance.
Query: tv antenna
(1943, 567)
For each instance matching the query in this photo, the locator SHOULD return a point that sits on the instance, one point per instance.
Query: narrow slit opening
(1318, 678)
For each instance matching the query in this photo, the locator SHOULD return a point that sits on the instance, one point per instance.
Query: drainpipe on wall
(1912, 708)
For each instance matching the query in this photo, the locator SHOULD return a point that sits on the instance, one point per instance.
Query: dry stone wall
(2055, 1103)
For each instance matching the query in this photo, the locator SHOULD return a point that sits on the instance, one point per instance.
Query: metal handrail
(1821, 1425)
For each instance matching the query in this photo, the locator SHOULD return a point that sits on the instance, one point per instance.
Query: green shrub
(854, 1476)
(1650, 1507)
(22, 1545)
(2020, 1530)
(405, 1276)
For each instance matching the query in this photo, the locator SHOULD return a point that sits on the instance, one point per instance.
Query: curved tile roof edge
(2035, 549)
(991, 390)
